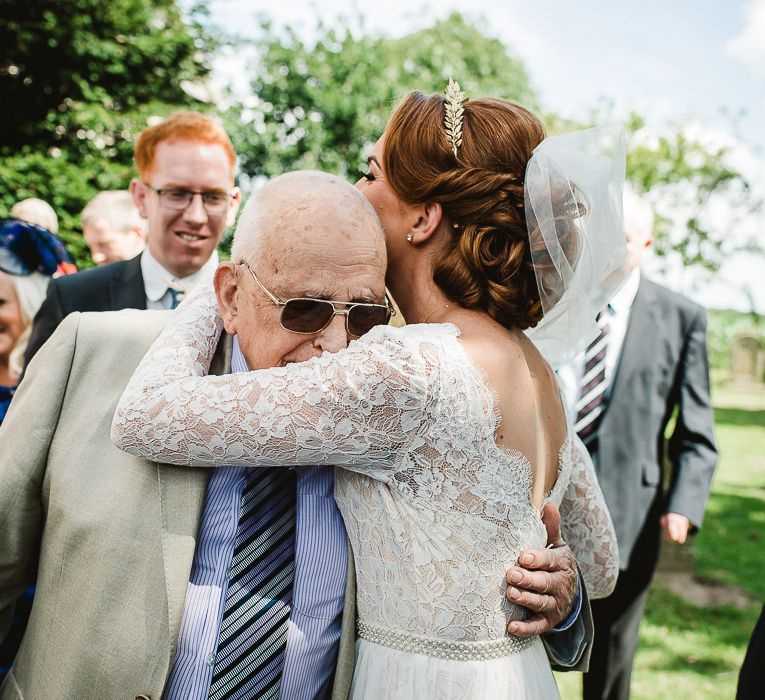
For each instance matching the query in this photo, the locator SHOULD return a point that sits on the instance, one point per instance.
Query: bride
(449, 433)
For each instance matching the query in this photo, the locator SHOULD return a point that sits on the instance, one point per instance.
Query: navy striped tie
(592, 392)
(253, 632)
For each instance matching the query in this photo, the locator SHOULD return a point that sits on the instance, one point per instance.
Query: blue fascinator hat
(26, 248)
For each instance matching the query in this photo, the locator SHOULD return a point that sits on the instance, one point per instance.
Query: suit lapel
(638, 336)
(126, 290)
(182, 495)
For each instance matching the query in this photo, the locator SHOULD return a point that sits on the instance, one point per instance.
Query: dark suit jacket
(662, 368)
(109, 288)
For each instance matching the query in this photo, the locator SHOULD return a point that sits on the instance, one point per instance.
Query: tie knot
(177, 291)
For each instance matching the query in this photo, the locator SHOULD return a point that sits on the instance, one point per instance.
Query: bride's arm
(587, 527)
(358, 407)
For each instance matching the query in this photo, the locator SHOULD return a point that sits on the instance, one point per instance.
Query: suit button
(142, 697)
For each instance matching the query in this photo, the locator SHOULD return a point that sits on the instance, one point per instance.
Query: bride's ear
(226, 286)
(428, 218)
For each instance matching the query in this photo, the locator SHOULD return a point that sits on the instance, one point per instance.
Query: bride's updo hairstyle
(487, 264)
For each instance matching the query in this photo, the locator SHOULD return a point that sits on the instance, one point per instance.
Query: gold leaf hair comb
(453, 116)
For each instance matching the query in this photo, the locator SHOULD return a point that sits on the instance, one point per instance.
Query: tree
(83, 78)
(321, 105)
(701, 198)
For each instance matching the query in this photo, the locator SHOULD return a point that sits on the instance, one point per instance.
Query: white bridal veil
(573, 197)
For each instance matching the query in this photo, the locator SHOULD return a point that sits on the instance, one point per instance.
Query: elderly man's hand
(545, 581)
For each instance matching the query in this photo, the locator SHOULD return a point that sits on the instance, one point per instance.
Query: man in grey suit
(648, 364)
(133, 557)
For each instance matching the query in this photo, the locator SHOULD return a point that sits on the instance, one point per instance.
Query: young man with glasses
(187, 196)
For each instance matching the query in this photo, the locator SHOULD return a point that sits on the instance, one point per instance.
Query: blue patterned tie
(176, 297)
(253, 632)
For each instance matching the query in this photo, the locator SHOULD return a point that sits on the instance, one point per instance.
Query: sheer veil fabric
(573, 195)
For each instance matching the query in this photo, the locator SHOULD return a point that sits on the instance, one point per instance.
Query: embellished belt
(444, 648)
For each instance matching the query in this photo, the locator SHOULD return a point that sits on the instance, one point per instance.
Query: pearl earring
(409, 237)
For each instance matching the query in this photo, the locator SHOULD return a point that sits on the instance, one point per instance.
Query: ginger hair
(181, 126)
(487, 263)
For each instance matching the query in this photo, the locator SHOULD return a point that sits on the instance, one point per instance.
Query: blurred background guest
(29, 256)
(648, 363)
(36, 211)
(113, 227)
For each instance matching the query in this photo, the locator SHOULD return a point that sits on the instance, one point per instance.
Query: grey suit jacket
(112, 536)
(662, 368)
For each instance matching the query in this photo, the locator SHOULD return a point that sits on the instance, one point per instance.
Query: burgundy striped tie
(592, 392)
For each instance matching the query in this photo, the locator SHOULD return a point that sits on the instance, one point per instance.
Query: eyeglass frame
(159, 191)
(281, 303)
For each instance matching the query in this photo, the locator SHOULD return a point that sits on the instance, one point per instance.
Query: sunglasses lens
(362, 319)
(306, 315)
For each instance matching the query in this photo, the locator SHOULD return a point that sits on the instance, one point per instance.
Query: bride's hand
(545, 582)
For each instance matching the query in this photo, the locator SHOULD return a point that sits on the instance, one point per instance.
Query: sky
(695, 63)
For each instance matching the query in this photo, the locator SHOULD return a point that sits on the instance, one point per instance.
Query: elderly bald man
(135, 557)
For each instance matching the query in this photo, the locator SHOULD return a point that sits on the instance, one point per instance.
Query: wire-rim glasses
(215, 202)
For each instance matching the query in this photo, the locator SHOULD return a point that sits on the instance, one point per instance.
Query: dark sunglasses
(305, 315)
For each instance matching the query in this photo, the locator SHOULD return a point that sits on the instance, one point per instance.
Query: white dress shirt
(619, 315)
(157, 280)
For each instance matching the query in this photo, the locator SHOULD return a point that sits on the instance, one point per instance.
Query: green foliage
(322, 105)
(723, 326)
(687, 179)
(83, 78)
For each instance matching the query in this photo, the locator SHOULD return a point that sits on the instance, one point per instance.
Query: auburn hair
(487, 264)
(181, 126)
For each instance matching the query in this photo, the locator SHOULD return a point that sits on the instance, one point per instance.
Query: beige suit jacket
(115, 535)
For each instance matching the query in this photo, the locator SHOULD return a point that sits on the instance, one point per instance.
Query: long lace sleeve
(587, 527)
(358, 408)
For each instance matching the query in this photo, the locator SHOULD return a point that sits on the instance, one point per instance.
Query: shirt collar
(156, 279)
(623, 299)
(238, 363)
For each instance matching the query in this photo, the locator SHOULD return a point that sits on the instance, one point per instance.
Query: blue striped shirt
(321, 564)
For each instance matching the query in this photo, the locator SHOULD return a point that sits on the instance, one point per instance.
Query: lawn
(691, 646)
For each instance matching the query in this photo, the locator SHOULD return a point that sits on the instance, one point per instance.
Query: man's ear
(139, 232)
(233, 206)
(428, 218)
(226, 287)
(138, 190)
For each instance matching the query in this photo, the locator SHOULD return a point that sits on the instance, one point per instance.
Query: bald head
(303, 235)
(301, 210)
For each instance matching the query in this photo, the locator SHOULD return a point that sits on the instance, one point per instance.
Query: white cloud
(749, 46)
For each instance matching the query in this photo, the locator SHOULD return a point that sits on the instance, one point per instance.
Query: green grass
(694, 652)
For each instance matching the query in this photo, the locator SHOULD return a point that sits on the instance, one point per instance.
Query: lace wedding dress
(435, 511)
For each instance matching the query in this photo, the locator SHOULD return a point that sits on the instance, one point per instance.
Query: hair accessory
(26, 248)
(409, 237)
(453, 115)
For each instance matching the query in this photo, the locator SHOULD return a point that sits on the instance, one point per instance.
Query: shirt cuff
(574, 614)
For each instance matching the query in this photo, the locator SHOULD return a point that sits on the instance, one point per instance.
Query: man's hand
(676, 527)
(545, 581)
